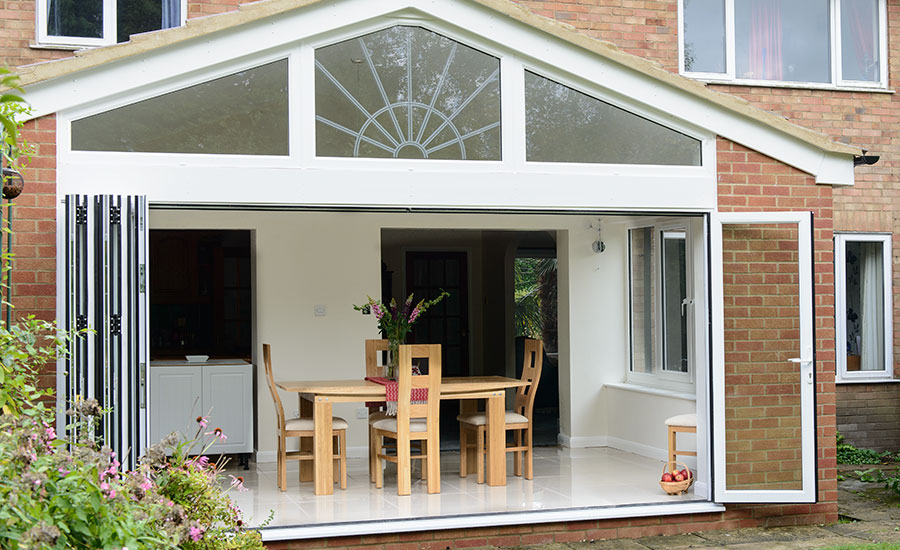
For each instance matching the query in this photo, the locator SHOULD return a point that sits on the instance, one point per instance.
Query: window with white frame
(102, 22)
(811, 42)
(863, 306)
(659, 307)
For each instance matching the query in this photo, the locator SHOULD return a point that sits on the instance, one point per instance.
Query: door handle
(802, 361)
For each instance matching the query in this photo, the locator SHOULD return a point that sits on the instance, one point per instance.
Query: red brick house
(290, 157)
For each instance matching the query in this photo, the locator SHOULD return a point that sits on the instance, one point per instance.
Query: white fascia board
(469, 22)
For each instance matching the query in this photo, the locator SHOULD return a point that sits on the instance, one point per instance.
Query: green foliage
(394, 321)
(16, 152)
(865, 546)
(532, 282)
(891, 480)
(25, 349)
(848, 454)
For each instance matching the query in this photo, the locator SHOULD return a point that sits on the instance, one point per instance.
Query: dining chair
(301, 427)
(376, 413)
(520, 421)
(415, 421)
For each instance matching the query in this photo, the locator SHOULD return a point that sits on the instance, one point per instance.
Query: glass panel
(762, 331)
(704, 36)
(674, 282)
(563, 125)
(241, 114)
(865, 306)
(137, 16)
(641, 272)
(76, 18)
(860, 56)
(406, 92)
(783, 40)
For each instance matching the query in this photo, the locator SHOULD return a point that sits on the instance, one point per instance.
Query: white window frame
(837, 80)
(661, 377)
(886, 374)
(109, 27)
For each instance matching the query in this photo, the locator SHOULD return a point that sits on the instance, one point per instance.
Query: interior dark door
(447, 323)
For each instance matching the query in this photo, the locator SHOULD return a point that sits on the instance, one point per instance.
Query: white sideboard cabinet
(223, 388)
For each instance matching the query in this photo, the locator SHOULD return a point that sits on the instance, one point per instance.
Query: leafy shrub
(57, 494)
(848, 454)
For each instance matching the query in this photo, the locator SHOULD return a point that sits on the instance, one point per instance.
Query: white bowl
(196, 358)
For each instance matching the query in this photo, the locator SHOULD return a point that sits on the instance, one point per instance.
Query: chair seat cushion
(687, 420)
(306, 424)
(480, 419)
(389, 424)
(376, 416)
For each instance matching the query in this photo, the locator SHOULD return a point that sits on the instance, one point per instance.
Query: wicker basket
(677, 487)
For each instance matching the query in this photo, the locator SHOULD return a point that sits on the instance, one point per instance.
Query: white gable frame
(302, 178)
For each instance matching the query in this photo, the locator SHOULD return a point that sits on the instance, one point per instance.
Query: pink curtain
(765, 40)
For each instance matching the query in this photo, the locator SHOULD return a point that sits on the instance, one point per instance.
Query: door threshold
(469, 521)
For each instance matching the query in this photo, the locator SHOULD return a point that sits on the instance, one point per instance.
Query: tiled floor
(563, 478)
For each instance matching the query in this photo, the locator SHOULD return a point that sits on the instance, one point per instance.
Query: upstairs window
(814, 42)
(103, 22)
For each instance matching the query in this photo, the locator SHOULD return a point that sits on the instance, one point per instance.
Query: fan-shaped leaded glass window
(406, 92)
(563, 125)
(245, 113)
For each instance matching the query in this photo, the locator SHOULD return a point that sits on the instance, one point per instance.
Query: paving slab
(760, 535)
(665, 542)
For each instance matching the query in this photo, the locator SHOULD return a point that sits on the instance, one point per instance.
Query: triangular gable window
(245, 113)
(564, 125)
(409, 93)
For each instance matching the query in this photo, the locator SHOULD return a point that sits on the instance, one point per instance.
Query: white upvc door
(763, 360)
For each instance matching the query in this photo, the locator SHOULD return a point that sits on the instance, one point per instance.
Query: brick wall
(867, 415)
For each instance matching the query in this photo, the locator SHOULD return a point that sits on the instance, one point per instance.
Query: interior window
(245, 113)
(565, 125)
(674, 302)
(640, 269)
(408, 93)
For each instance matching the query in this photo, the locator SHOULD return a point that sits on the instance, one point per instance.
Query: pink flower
(104, 486)
(145, 484)
(112, 494)
(237, 483)
(414, 315)
(50, 432)
(196, 533)
(170, 504)
(203, 421)
(218, 433)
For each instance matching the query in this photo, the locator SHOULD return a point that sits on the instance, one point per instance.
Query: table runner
(418, 396)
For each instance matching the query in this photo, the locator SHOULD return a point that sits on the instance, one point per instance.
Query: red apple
(687, 473)
(667, 477)
(679, 477)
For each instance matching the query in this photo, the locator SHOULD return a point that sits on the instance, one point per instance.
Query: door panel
(763, 381)
(105, 285)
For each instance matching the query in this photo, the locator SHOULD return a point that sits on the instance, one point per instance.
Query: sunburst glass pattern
(406, 92)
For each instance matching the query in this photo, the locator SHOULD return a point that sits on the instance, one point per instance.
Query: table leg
(306, 445)
(322, 446)
(469, 406)
(496, 439)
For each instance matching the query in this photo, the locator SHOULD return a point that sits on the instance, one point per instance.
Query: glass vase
(393, 359)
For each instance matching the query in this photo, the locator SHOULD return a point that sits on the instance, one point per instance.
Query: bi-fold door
(105, 281)
(763, 364)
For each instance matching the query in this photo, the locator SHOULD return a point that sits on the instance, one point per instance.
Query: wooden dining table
(318, 396)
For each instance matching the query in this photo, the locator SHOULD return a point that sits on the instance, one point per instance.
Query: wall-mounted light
(598, 246)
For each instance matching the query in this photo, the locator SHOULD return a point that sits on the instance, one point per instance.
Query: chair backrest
(373, 350)
(531, 373)
(406, 381)
(270, 380)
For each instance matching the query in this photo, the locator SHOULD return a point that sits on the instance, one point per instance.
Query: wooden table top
(360, 387)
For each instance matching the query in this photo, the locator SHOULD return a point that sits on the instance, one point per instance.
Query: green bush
(57, 494)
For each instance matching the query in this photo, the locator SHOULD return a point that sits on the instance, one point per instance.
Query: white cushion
(480, 419)
(389, 424)
(306, 424)
(688, 420)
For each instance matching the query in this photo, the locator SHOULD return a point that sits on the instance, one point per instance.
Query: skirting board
(623, 445)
